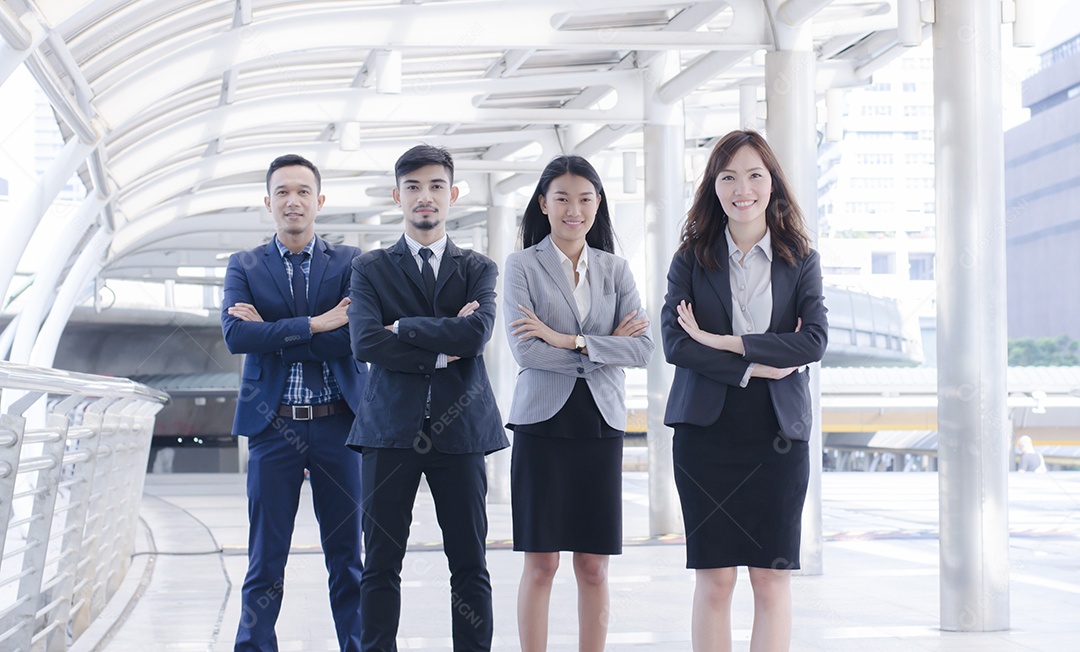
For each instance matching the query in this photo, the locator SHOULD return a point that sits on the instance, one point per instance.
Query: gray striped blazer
(534, 278)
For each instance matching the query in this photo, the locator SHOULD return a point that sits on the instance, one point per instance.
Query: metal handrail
(70, 487)
(58, 381)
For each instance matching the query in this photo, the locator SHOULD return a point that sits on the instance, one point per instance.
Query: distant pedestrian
(1031, 460)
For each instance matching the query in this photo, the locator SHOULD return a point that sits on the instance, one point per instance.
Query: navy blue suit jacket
(258, 277)
(703, 374)
(387, 287)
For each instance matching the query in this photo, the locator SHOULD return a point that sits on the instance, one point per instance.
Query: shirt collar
(764, 244)
(437, 248)
(284, 251)
(582, 262)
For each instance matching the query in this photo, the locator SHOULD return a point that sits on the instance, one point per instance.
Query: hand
(245, 312)
(772, 373)
(689, 323)
(331, 319)
(798, 325)
(531, 326)
(452, 358)
(634, 328)
(468, 309)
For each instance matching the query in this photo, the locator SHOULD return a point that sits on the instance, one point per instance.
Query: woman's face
(570, 205)
(744, 187)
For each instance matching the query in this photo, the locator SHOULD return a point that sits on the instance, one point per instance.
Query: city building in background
(1042, 195)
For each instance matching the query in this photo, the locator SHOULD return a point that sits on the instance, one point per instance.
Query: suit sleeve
(807, 345)
(463, 337)
(371, 341)
(617, 349)
(253, 336)
(682, 350)
(533, 352)
(324, 346)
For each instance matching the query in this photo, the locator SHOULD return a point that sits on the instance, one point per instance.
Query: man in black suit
(420, 313)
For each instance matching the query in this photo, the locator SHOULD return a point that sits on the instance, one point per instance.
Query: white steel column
(792, 130)
(86, 267)
(502, 368)
(29, 214)
(665, 211)
(44, 288)
(973, 426)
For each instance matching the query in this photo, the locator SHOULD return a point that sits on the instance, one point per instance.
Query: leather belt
(309, 412)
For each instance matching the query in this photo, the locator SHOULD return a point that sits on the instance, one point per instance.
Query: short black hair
(421, 156)
(290, 160)
(535, 225)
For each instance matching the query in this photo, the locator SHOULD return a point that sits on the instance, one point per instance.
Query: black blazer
(703, 374)
(387, 287)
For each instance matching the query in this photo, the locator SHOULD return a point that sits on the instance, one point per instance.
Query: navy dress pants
(277, 458)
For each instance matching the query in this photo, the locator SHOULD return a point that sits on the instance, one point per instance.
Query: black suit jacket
(387, 287)
(703, 374)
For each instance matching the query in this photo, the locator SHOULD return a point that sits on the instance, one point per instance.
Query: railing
(69, 498)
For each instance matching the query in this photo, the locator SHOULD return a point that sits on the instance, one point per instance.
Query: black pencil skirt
(566, 481)
(742, 485)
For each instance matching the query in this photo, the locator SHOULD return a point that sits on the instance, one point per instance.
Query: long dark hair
(535, 225)
(706, 220)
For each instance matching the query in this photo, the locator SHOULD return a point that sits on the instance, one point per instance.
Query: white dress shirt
(751, 289)
(581, 287)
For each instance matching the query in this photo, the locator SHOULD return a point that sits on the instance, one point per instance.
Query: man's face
(294, 200)
(425, 196)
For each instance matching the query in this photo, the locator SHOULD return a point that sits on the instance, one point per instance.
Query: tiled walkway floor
(879, 590)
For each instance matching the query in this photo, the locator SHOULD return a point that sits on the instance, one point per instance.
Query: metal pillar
(973, 440)
(86, 267)
(792, 129)
(29, 215)
(665, 210)
(502, 369)
(43, 289)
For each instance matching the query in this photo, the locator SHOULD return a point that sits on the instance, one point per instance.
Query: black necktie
(428, 272)
(312, 370)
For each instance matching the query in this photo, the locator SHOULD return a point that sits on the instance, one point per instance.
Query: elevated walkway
(879, 592)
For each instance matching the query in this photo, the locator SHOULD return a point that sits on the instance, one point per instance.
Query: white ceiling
(188, 101)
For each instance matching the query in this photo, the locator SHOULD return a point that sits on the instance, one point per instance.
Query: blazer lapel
(784, 279)
(275, 266)
(549, 260)
(720, 279)
(598, 271)
(315, 273)
(448, 265)
(408, 264)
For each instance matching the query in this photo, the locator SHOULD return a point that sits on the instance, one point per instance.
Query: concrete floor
(879, 590)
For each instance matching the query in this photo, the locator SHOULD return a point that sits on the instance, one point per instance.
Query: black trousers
(458, 485)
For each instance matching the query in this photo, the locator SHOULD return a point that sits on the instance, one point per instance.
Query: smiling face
(744, 188)
(425, 196)
(294, 201)
(570, 204)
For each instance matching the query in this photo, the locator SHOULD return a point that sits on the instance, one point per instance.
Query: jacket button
(423, 367)
(581, 370)
(412, 333)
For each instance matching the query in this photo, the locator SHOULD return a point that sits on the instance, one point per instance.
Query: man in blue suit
(285, 308)
(421, 313)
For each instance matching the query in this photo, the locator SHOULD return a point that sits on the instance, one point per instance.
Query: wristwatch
(579, 342)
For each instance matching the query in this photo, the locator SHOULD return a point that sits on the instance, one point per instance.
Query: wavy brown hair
(706, 220)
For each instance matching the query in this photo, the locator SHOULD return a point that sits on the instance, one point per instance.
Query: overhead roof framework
(184, 102)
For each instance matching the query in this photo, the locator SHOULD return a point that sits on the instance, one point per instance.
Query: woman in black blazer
(742, 318)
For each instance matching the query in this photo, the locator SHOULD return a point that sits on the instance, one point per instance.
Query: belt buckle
(298, 410)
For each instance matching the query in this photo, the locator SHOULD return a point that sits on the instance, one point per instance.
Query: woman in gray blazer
(574, 321)
(743, 316)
